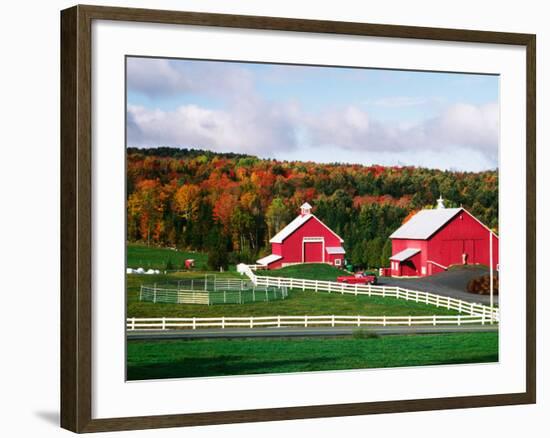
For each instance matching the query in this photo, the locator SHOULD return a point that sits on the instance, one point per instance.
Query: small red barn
(432, 240)
(304, 240)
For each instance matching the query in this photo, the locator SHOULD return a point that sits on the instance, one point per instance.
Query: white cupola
(440, 203)
(305, 209)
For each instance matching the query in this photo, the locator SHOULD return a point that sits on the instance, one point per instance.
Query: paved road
(269, 332)
(449, 283)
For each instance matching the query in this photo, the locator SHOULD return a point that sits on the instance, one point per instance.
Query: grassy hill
(298, 303)
(142, 256)
(307, 271)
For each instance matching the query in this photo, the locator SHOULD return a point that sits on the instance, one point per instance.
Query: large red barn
(304, 240)
(433, 240)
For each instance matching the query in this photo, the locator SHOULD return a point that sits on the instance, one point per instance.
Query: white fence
(133, 324)
(211, 291)
(461, 306)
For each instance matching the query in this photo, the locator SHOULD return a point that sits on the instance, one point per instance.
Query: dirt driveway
(449, 283)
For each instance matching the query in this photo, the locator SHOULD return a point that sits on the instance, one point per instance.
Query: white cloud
(156, 77)
(272, 129)
(401, 101)
(249, 123)
(247, 128)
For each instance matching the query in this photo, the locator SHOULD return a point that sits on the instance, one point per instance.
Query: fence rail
(214, 292)
(473, 309)
(133, 324)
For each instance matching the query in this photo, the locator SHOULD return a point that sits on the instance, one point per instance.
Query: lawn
(200, 358)
(298, 303)
(307, 271)
(142, 256)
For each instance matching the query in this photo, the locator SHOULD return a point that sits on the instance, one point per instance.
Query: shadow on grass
(242, 365)
(221, 366)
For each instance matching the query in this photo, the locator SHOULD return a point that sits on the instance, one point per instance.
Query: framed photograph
(270, 218)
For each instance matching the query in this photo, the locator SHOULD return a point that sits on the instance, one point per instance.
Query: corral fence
(211, 291)
(301, 321)
(472, 309)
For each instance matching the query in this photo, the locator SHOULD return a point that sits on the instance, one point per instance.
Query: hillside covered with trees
(230, 205)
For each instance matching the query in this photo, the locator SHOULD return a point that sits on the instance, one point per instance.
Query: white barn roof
(425, 223)
(405, 254)
(296, 223)
(268, 259)
(335, 250)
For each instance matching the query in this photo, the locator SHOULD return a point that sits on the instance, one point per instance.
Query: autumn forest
(230, 205)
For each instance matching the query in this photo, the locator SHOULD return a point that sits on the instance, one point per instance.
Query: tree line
(230, 205)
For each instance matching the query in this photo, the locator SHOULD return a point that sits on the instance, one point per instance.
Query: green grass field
(308, 271)
(298, 303)
(200, 358)
(141, 256)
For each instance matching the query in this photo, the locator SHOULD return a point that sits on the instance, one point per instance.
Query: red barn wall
(420, 259)
(330, 258)
(291, 248)
(411, 266)
(462, 235)
(313, 252)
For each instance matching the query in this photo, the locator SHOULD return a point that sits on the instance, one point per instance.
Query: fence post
(434, 320)
(155, 293)
(224, 296)
(194, 323)
(460, 306)
(483, 318)
(278, 321)
(410, 320)
(251, 322)
(355, 289)
(358, 321)
(437, 301)
(448, 303)
(305, 321)
(333, 320)
(223, 322)
(384, 320)
(164, 323)
(383, 290)
(133, 326)
(459, 319)
(140, 292)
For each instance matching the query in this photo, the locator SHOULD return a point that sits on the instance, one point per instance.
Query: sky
(313, 113)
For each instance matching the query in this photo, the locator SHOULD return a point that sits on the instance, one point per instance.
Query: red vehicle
(358, 278)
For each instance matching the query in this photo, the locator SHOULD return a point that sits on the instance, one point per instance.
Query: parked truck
(358, 278)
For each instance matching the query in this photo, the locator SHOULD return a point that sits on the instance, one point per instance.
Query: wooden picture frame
(76, 217)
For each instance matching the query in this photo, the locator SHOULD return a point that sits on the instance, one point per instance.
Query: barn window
(337, 262)
(423, 270)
